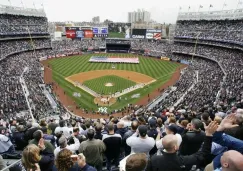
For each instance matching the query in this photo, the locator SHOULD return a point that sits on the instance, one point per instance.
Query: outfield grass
(116, 35)
(98, 84)
(64, 67)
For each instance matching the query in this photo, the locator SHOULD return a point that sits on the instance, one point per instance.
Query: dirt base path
(70, 104)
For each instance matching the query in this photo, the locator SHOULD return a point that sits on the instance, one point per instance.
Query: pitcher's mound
(109, 84)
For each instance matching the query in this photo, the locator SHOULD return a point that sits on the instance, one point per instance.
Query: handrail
(11, 165)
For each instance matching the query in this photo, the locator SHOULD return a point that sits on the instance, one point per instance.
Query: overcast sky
(116, 10)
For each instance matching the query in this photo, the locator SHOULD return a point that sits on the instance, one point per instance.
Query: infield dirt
(130, 75)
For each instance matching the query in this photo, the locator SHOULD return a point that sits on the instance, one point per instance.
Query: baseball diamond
(67, 70)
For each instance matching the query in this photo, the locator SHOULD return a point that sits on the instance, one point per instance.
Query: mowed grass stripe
(119, 84)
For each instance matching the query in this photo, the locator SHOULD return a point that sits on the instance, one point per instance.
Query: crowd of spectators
(15, 46)
(170, 140)
(18, 24)
(231, 62)
(222, 30)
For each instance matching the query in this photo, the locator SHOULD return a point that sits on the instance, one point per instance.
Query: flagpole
(22, 3)
(199, 8)
(189, 8)
(10, 3)
(224, 5)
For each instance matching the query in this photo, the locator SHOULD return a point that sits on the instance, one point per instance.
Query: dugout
(118, 45)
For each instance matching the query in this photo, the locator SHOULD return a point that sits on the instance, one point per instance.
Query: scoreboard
(86, 32)
(100, 31)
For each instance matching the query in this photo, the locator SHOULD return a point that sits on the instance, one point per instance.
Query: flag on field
(189, 7)
(200, 6)
(211, 5)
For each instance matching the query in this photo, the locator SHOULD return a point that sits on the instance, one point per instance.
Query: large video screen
(119, 30)
(138, 33)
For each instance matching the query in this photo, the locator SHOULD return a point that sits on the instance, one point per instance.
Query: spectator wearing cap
(152, 132)
(93, 149)
(192, 137)
(141, 144)
(171, 129)
(129, 133)
(113, 144)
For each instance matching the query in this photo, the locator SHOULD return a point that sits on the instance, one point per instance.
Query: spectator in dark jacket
(82, 163)
(121, 129)
(192, 138)
(18, 137)
(113, 144)
(98, 134)
(49, 138)
(171, 161)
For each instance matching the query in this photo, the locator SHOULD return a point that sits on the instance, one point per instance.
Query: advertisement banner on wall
(153, 34)
(80, 34)
(88, 34)
(149, 35)
(157, 36)
(70, 34)
(138, 33)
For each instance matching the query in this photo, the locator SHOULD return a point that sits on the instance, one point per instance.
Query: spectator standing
(192, 138)
(113, 144)
(129, 133)
(93, 149)
(63, 144)
(52, 126)
(62, 129)
(38, 136)
(170, 160)
(141, 144)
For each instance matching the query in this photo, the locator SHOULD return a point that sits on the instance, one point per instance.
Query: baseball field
(103, 78)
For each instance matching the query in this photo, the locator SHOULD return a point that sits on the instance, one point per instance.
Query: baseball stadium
(153, 89)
